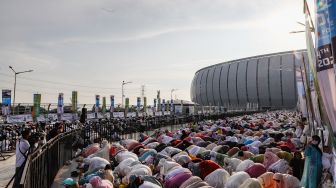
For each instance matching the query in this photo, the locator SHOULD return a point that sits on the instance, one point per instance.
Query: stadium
(264, 82)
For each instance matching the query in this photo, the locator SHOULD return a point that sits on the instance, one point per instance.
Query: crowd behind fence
(110, 129)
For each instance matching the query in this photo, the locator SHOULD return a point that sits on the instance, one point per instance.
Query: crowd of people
(273, 149)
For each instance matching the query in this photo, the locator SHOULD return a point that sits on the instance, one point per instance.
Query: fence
(43, 164)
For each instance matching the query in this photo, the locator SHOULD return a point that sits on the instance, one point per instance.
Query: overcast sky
(92, 45)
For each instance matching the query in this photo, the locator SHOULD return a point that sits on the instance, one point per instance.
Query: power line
(62, 83)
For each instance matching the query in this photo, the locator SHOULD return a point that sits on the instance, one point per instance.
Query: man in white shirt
(21, 153)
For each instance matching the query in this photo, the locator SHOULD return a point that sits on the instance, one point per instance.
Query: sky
(91, 46)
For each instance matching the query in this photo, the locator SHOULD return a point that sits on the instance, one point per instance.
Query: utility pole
(122, 92)
(16, 73)
(171, 93)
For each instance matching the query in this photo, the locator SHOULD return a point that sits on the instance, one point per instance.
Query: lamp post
(16, 73)
(171, 93)
(122, 92)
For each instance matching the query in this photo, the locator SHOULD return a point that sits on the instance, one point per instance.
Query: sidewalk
(64, 173)
(7, 170)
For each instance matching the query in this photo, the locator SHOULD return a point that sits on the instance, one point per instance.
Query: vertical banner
(332, 19)
(60, 103)
(154, 106)
(138, 102)
(127, 103)
(104, 105)
(325, 59)
(145, 104)
(112, 103)
(163, 106)
(168, 105)
(6, 101)
(74, 101)
(97, 103)
(37, 104)
(158, 101)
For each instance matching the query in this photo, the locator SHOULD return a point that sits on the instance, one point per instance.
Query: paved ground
(7, 170)
(63, 173)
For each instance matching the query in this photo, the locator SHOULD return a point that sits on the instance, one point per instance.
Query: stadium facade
(267, 81)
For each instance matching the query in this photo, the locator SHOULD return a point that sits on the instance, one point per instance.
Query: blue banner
(97, 101)
(332, 23)
(6, 97)
(324, 54)
(112, 100)
(60, 103)
(138, 102)
(163, 105)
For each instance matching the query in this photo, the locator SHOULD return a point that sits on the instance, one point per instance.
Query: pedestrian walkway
(7, 170)
(64, 173)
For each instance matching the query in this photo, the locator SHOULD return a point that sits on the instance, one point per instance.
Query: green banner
(37, 104)
(104, 105)
(127, 103)
(145, 103)
(74, 101)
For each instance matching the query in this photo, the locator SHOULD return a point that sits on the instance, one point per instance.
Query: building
(260, 82)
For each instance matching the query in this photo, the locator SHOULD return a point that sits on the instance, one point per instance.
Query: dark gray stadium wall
(263, 81)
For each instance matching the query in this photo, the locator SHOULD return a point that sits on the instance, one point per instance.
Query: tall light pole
(171, 93)
(16, 73)
(122, 92)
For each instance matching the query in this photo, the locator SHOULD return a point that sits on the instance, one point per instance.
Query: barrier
(43, 164)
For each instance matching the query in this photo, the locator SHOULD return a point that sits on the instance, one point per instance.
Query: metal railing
(44, 163)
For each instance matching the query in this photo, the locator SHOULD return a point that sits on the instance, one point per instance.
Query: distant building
(260, 82)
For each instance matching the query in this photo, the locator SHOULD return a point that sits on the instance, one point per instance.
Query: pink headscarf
(270, 158)
(97, 182)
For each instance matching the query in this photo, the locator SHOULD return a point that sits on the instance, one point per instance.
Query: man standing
(22, 148)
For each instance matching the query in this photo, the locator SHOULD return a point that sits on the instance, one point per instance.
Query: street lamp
(16, 73)
(171, 93)
(122, 92)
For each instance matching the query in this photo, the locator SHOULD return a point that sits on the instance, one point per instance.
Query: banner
(19, 118)
(163, 106)
(112, 103)
(145, 104)
(60, 103)
(6, 101)
(74, 101)
(97, 101)
(332, 20)
(138, 102)
(158, 101)
(37, 104)
(126, 103)
(325, 59)
(118, 114)
(104, 105)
